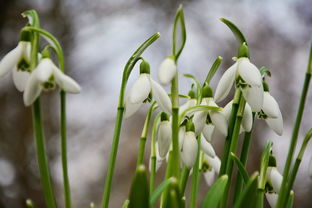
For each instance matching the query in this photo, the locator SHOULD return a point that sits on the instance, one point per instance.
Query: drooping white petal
(254, 97)
(226, 111)
(199, 121)
(181, 136)
(20, 79)
(310, 168)
(9, 61)
(33, 89)
(164, 138)
(247, 118)
(207, 148)
(189, 149)
(210, 176)
(249, 72)
(140, 89)
(220, 122)
(65, 82)
(161, 97)
(44, 70)
(276, 124)
(189, 103)
(131, 108)
(225, 84)
(270, 106)
(208, 131)
(275, 178)
(272, 199)
(167, 71)
(214, 162)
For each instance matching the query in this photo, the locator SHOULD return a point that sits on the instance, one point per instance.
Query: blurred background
(98, 37)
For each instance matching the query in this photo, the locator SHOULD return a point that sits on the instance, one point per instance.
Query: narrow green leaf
(139, 193)
(179, 33)
(237, 33)
(249, 194)
(158, 191)
(264, 164)
(215, 194)
(125, 204)
(213, 69)
(240, 167)
(173, 199)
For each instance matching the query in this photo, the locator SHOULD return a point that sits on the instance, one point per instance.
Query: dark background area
(98, 37)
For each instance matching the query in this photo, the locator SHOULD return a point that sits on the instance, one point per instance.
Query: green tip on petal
(272, 161)
(243, 51)
(25, 35)
(191, 94)
(266, 87)
(46, 53)
(207, 91)
(190, 126)
(144, 67)
(164, 116)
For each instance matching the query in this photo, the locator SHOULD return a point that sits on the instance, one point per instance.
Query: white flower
(211, 168)
(164, 137)
(189, 149)
(140, 91)
(252, 87)
(272, 199)
(208, 131)
(182, 131)
(17, 60)
(310, 168)
(189, 103)
(207, 148)
(217, 118)
(274, 178)
(167, 71)
(45, 76)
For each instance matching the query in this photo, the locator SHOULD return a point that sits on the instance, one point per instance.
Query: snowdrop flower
(271, 198)
(44, 77)
(167, 70)
(211, 167)
(274, 178)
(141, 89)
(18, 61)
(190, 146)
(213, 117)
(208, 131)
(164, 135)
(271, 113)
(248, 78)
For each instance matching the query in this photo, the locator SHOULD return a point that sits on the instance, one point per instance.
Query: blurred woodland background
(98, 37)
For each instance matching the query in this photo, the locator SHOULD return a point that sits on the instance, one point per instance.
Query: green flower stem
(243, 159)
(144, 134)
(120, 110)
(233, 147)
(37, 123)
(283, 195)
(226, 153)
(184, 178)
(153, 153)
(195, 177)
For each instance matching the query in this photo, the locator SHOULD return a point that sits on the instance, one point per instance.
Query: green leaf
(173, 199)
(139, 192)
(240, 167)
(179, 33)
(125, 204)
(213, 69)
(237, 33)
(215, 194)
(249, 194)
(158, 191)
(264, 164)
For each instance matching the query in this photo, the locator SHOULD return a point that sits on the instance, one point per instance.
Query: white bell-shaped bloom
(161, 97)
(252, 90)
(207, 148)
(272, 199)
(140, 89)
(208, 131)
(189, 149)
(213, 168)
(167, 71)
(46, 76)
(274, 178)
(131, 108)
(164, 138)
(199, 120)
(10, 62)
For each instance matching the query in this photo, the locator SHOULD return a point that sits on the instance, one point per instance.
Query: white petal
(207, 148)
(9, 61)
(208, 131)
(164, 138)
(189, 103)
(131, 108)
(20, 79)
(254, 97)
(181, 136)
(32, 90)
(65, 82)
(275, 178)
(270, 106)
(161, 97)
(199, 121)
(44, 70)
(225, 84)
(167, 71)
(226, 111)
(220, 122)
(249, 72)
(189, 149)
(276, 124)
(272, 199)
(247, 118)
(210, 176)
(310, 168)
(214, 162)
(140, 89)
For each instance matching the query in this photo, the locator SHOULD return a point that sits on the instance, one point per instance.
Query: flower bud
(164, 136)
(167, 71)
(190, 146)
